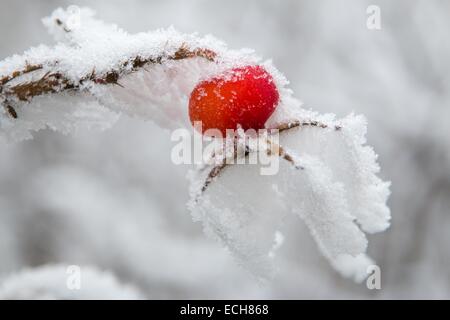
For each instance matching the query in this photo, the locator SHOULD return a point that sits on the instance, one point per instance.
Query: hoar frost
(98, 71)
(52, 282)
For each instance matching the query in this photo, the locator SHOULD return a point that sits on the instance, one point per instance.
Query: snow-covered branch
(55, 82)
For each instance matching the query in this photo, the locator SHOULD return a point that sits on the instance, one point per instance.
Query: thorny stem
(273, 149)
(217, 169)
(53, 82)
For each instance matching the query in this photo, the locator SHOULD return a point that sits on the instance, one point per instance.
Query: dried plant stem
(276, 149)
(28, 68)
(55, 81)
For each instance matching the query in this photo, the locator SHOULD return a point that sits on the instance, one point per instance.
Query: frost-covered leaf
(351, 163)
(335, 192)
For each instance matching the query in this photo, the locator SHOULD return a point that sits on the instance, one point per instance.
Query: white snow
(52, 282)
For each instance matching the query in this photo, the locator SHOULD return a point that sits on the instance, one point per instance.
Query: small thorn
(12, 112)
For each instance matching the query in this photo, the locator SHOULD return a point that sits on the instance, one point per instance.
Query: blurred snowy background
(114, 201)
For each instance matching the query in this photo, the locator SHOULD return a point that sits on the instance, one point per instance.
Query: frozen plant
(98, 71)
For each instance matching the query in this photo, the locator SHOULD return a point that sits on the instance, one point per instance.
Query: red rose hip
(245, 96)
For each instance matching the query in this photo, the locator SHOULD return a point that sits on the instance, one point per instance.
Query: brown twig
(28, 68)
(54, 82)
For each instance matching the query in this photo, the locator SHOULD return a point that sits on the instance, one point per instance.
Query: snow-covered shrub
(97, 71)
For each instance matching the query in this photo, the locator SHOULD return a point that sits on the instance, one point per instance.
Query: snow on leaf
(352, 163)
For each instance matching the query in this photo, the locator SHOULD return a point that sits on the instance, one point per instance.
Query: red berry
(245, 96)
